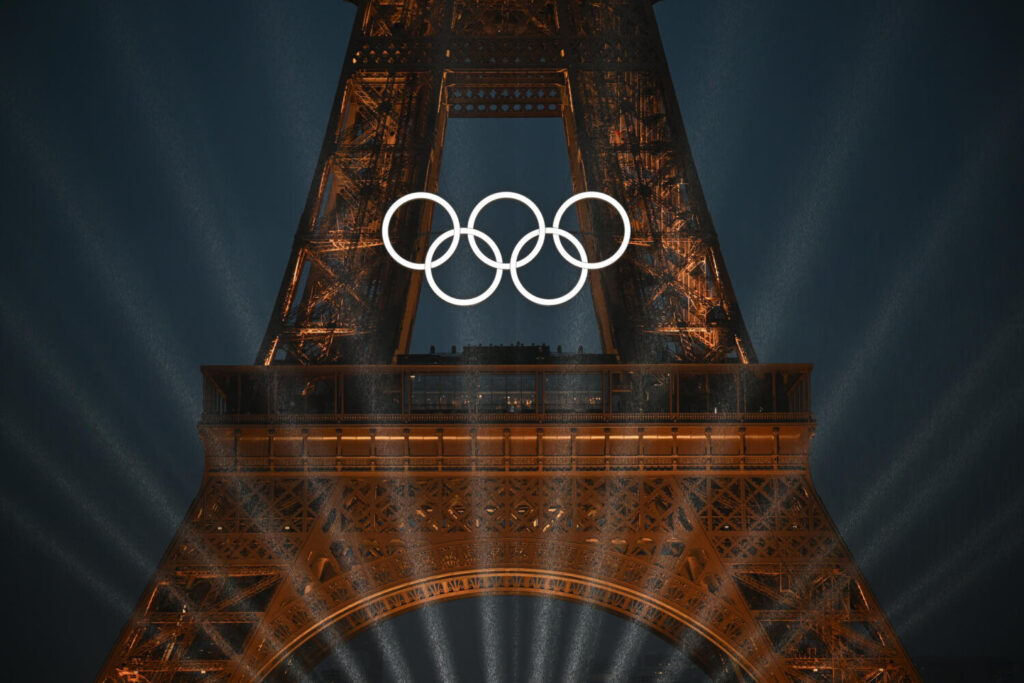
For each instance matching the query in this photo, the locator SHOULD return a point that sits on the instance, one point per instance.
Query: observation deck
(430, 414)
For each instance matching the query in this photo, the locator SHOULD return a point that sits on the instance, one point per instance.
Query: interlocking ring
(537, 235)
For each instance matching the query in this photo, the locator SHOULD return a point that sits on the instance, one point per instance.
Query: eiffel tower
(665, 479)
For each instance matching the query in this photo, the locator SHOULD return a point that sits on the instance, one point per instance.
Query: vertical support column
(343, 299)
(669, 298)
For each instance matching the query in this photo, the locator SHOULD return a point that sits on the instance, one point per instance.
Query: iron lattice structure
(597, 65)
(665, 480)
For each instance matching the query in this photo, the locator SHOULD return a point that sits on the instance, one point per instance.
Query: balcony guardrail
(506, 393)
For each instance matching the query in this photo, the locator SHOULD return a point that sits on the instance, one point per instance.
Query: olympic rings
(538, 235)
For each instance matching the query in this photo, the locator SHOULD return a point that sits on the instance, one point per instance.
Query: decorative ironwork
(665, 480)
(600, 68)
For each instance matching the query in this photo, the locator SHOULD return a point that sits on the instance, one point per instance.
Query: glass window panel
(575, 392)
(636, 392)
(506, 393)
(438, 393)
(373, 394)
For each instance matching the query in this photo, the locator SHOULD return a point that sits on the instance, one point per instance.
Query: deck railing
(506, 393)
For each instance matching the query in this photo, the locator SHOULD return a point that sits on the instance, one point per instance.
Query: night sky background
(862, 162)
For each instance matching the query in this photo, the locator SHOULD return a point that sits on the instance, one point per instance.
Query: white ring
(514, 265)
(515, 196)
(385, 228)
(429, 265)
(625, 230)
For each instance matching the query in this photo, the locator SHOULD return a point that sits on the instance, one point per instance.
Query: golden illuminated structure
(665, 479)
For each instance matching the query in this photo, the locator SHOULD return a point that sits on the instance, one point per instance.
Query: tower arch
(712, 652)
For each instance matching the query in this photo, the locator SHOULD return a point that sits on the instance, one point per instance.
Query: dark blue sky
(862, 163)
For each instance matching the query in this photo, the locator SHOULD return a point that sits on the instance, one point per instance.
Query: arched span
(658, 616)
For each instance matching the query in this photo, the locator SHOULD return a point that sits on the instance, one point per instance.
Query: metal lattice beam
(342, 488)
